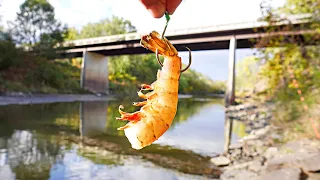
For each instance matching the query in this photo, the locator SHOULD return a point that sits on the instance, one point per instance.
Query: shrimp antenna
(190, 60)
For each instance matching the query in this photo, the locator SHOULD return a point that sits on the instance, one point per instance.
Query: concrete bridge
(94, 76)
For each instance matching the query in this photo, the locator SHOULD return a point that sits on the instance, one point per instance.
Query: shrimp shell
(159, 109)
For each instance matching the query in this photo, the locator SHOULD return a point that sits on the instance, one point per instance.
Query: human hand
(157, 8)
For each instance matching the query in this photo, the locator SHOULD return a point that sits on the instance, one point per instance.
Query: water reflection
(80, 141)
(93, 118)
(27, 157)
(201, 133)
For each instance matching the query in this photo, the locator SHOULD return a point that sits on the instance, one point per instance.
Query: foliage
(9, 54)
(301, 54)
(248, 75)
(52, 74)
(127, 73)
(105, 27)
(304, 6)
(40, 76)
(192, 82)
(37, 29)
(72, 34)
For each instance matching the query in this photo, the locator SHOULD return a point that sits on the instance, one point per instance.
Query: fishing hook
(182, 70)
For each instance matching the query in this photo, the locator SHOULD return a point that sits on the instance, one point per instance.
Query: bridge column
(94, 72)
(230, 95)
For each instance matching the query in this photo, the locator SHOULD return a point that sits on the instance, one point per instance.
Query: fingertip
(172, 6)
(155, 7)
(157, 10)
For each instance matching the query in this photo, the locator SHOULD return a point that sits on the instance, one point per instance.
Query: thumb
(156, 8)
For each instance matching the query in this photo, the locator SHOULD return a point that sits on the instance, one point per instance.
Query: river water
(79, 140)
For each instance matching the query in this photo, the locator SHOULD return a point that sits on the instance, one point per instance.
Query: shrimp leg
(146, 87)
(136, 116)
(139, 103)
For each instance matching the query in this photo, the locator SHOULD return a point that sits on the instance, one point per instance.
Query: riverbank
(28, 98)
(50, 98)
(263, 154)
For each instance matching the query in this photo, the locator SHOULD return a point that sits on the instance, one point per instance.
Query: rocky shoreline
(260, 156)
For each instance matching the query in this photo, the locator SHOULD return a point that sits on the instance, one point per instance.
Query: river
(79, 140)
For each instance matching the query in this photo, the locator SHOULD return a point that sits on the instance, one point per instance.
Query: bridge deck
(204, 38)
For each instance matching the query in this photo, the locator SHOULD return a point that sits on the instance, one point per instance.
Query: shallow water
(80, 141)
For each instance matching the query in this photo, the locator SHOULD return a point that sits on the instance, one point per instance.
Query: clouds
(191, 13)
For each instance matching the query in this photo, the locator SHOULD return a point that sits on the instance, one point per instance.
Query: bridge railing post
(230, 94)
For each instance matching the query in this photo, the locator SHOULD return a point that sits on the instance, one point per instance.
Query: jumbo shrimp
(160, 106)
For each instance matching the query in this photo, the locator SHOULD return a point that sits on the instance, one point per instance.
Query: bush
(9, 53)
(60, 76)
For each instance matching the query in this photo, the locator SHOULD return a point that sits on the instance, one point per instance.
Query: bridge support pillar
(94, 72)
(230, 95)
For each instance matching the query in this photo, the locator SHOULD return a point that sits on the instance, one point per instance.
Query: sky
(190, 14)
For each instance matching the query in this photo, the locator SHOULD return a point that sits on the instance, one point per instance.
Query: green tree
(72, 34)
(302, 6)
(296, 59)
(247, 74)
(36, 27)
(106, 27)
